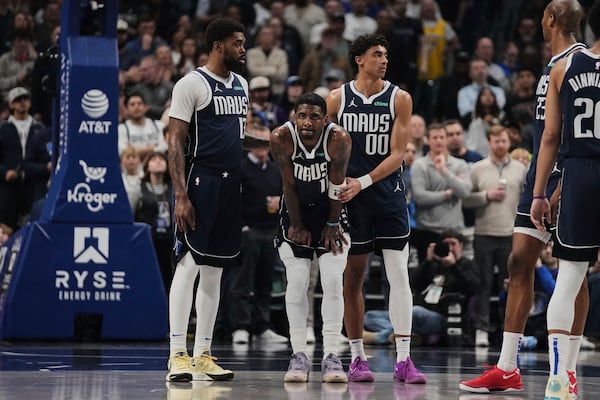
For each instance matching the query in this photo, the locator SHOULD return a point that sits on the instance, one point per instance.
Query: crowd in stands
(470, 66)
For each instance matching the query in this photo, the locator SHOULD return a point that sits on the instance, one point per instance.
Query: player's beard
(234, 65)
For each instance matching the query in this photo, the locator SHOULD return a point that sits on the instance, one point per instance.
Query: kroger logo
(82, 193)
(94, 103)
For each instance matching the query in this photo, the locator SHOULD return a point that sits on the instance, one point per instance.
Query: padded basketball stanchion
(85, 260)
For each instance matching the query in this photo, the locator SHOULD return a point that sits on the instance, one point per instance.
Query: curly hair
(220, 29)
(362, 44)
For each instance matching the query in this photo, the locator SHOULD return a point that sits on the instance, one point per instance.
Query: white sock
(401, 300)
(558, 350)
(402, 348)
(180, 303)
(574, 345)
(297, 271)
(511, 345)
(357, 349)
(207, 304)
(331, 269)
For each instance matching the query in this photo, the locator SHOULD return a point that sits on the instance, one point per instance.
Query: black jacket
(461, 278)
(33, 168)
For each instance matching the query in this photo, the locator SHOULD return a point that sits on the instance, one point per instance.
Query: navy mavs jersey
(213, 159)
(312, 183)
(578, 214)
(310, 168)
(539, 123)
(378, 215)
(216, 131)
(580, 102)
(369, 122)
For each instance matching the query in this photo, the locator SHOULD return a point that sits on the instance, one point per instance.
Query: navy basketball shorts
(523, 222)
(217, 204)
(579, 215)
(379, 217)
(314, 218)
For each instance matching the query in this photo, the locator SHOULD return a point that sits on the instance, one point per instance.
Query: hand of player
(299, 235)
(351, 189)
(334, 239)
(540, 211)
(185, 216)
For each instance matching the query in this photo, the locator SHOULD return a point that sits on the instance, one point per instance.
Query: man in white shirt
(145, 135)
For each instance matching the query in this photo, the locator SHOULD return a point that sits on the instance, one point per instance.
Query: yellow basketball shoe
(204, 368)
(179, 368)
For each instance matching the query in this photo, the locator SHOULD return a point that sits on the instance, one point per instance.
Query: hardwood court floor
(131, 371)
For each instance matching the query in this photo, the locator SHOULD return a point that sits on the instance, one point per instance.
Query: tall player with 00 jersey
(573, 126)
(559, 24)
(377, 115)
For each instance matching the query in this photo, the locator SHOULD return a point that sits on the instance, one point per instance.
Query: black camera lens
(441, 249)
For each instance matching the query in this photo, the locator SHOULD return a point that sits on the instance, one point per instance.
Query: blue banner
(85, 259)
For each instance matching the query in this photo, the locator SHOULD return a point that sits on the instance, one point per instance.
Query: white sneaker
(481, 338)
(241, 336)
(272, 337)
(310, 335)
(586, 344)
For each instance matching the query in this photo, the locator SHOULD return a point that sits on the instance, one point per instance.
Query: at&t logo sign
(94, 104)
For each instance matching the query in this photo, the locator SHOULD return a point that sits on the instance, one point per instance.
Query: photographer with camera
(444, 277)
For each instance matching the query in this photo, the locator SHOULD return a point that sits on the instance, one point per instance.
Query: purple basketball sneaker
(359, 371)
(405, 371)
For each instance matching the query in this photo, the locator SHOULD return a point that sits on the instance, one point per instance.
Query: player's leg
(208, 294)
(561, 313)
(221, 247)
(296, 303)
(360, 212)
(332, 310)
(400, 308)
(582, 304)
(505, 376)
(354, 312)
(180, 305)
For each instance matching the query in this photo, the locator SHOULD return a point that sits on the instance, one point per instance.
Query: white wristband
(365, 181)
(334, 190)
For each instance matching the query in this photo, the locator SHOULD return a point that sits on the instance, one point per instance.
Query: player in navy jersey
(312, 155)
(573, 106)
(559, 24)
(206, 124)
(377, 115)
